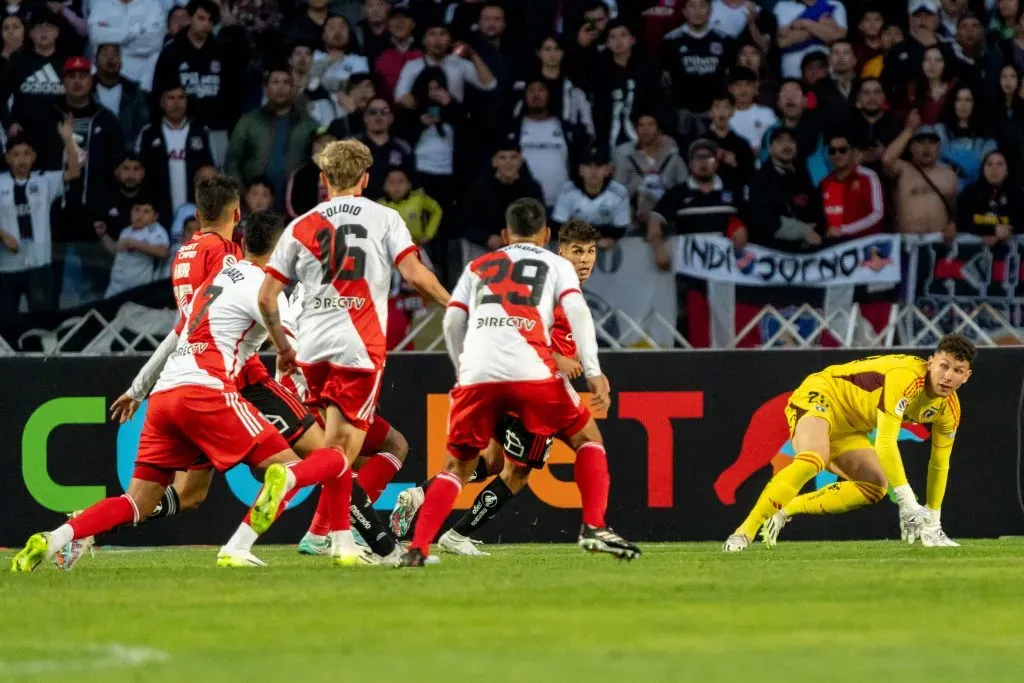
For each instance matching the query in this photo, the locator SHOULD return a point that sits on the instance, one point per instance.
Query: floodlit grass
(537, 613)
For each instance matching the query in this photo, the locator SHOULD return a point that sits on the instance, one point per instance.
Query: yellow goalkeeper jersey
(894, 385)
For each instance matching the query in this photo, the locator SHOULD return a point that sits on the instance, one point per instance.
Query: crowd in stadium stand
(786, 123)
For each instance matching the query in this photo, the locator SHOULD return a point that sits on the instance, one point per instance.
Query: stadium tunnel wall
(691, 436)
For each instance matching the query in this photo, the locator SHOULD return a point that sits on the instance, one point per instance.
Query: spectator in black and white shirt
(594, 197)
(547, 142)
(461, 66)
(621, 80)
(32, 80)
(696, 58)
(26, 197)
(121, 96)
(209, 71)
(567, 99)
(172, 151)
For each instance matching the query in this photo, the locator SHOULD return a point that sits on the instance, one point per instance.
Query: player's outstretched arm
(423, 280)
(943, 433)
(271, 312)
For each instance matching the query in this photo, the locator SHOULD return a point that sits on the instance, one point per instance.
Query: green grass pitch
(537, 613)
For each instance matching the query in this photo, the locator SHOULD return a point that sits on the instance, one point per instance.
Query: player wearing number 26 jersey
(342, 253)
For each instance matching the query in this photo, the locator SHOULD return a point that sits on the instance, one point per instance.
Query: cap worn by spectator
(781, 131)
(73, 64)
(923, 6)
(702, 145)
(926, 132)
(508, 143)
(595, 156)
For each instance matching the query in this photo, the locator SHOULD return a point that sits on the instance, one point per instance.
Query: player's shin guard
(593, 481)
(377, 473)
(364, 519)
(781, 489)
(321, 465)
(835, 499)
(168, 505)
(440, 499)
(486, 506)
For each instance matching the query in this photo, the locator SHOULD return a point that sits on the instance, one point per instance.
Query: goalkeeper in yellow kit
(830, 415)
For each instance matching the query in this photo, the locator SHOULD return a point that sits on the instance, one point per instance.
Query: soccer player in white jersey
(195, 412)
(342, 253)
(498, 332)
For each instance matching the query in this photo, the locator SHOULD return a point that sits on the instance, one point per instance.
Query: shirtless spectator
(925, 187)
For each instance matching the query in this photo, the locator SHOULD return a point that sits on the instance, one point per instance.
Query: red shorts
(545, 408)
(376, 435)
(192, 424)
(354, 391)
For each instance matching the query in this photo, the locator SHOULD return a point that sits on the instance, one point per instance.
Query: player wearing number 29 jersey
(498, 333)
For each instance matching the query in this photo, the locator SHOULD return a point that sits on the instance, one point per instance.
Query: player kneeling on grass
(498, 333)
(523, 451)
(830, 415)
(196, 412)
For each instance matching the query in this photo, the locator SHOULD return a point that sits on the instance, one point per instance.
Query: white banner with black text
(871, 260)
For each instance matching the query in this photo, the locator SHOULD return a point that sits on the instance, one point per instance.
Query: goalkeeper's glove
(932, 535)
(913, 516)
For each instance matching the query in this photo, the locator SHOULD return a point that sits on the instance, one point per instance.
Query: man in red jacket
(852, 194)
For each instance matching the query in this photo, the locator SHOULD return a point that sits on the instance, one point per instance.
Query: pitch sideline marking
(110, 656)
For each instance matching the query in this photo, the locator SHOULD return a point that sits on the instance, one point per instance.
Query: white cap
(916, 6)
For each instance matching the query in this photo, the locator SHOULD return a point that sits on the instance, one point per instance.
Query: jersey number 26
(335, 253)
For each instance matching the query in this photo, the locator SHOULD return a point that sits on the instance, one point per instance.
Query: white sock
(60, 537)
(289, 479)
(243, 538)
(315, 538)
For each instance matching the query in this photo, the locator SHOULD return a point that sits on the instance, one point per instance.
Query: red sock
(319, 466)
(104, 516)
(338, 493)
(321, 524)
(440, 498)
(284, 505)
(593, 482)
(377, 473)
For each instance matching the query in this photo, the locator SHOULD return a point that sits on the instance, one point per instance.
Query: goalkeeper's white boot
(455, 543)
(771, 528)
(932, 536)
(736, 543)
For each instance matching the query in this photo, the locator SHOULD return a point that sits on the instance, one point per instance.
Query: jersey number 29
(335, 253)
(501, 275)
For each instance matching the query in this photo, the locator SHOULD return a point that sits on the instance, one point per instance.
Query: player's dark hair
(525, 217)
(576, 231)
(209, 6)
(959, 347)
(214, 196)
(262, 230)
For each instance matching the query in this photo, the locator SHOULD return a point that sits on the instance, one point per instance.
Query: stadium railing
(965, 286)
